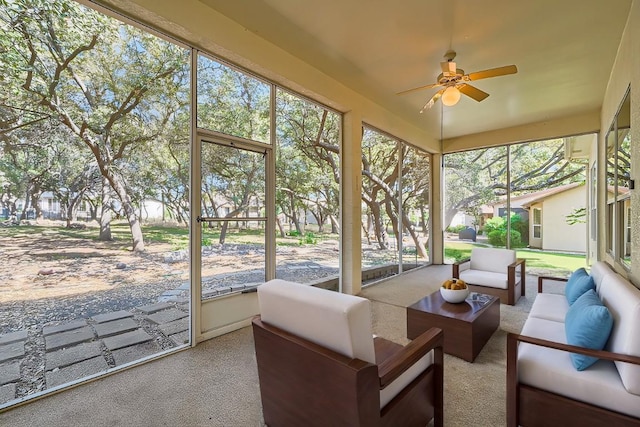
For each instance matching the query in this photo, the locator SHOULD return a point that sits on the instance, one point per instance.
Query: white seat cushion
(623, 301)
(550, 306)
(552, 370)
(485, 278)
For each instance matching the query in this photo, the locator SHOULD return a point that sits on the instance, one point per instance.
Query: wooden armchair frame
(531, 406)
(302, 383)
(508, 296)
(541, 280)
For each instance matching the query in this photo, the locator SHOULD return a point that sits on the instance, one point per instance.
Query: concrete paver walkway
(79, 348)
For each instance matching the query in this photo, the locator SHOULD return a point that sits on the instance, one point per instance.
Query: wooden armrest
(543, 278)
(400, 361)
(385, 348)
(511, 276)
(519, 261)
(600, 354)
(456, 267)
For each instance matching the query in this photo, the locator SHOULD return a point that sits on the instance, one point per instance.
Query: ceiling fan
(454, 82)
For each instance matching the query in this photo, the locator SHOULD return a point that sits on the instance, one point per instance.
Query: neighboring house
(548, 212)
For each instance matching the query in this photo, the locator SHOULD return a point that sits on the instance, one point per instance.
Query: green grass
(559, 262)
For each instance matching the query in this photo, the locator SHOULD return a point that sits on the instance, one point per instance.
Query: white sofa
(495, 272)
(544, 388)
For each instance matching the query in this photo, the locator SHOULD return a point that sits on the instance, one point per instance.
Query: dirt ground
(49, 277)
(41, 265)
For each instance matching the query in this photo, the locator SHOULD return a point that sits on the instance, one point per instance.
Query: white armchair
(319, 364)
(495, 272)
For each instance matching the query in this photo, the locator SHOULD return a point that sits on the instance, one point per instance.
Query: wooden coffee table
(467, 326)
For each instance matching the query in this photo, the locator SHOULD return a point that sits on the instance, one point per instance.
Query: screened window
(232, 102)
(395, 205)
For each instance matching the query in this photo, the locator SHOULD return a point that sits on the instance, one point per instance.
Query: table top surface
(468, 310)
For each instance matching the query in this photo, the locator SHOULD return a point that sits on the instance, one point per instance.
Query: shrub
(308, 239)
(499, 238)
(495, 223)
(456, 228)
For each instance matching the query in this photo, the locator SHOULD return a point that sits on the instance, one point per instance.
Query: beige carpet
(474, 393)
(216, 384)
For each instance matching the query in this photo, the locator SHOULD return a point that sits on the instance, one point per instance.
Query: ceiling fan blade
(432, 101)
(472, 92)
(448, 68)
(415, 89)
(493, 72)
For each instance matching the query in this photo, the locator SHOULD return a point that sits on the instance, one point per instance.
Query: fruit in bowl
(454, 290)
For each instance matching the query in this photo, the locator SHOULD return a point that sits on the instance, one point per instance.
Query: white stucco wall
(557, 235)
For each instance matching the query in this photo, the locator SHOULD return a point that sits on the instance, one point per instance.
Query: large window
(395, 205)
(232, 102)
(618, 185)
(475, 203)
(529, 192)
(307, 190)
(95, 184)
(94, 173)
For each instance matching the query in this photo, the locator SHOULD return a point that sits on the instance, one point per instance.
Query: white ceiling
(564, 51)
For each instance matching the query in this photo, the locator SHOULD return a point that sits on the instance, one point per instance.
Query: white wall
(557, 235)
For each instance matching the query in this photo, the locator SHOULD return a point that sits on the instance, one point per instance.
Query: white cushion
(337, 321)
(598, 271)
(552, 370)
(490, 259)
(485, 278)
(623, 301)
(550, 306)
(392, 390)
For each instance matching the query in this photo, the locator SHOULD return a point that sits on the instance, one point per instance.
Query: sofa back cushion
(490, 259)
(623, 301)
(587, 324)
(579, 282)
(340, 322)
(599, 269)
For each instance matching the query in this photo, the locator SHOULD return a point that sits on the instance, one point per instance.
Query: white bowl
(454, 295)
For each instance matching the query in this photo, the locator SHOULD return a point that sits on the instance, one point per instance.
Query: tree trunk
(223, 232)
(378, 226)
(280, 227)
(420, 247)
(132, 219)
(335, 227)
(423, 221)
(35, 198)
(105, 213)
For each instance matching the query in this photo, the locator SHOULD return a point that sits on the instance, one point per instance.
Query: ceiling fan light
(451, 96)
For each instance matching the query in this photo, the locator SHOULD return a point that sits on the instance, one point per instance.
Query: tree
(113, 86)
(478, 177)
(307, 165)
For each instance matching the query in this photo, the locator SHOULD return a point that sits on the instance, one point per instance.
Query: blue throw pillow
(579, 282)
(587, 324)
